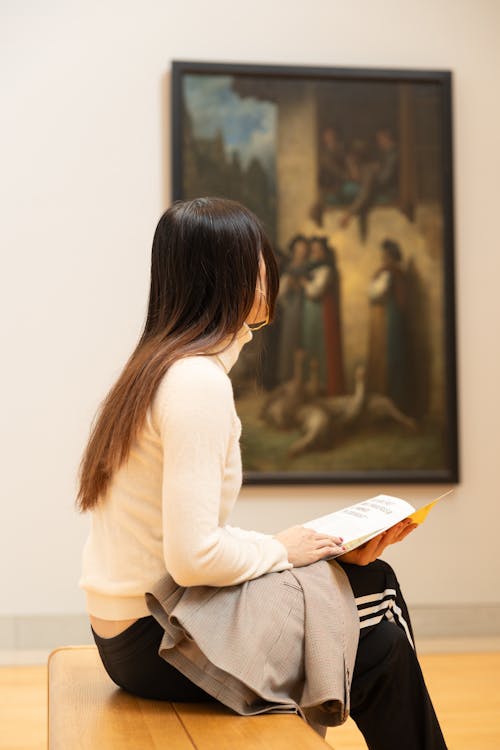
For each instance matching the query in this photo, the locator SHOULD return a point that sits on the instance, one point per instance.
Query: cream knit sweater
(167, 506)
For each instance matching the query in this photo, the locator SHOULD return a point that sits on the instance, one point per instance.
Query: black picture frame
(336, 133)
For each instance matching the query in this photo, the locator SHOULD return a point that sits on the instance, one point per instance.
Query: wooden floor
(465, 689)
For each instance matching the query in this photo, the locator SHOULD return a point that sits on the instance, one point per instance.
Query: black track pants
(389, 699)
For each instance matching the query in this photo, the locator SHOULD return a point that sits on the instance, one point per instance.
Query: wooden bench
(88, 712)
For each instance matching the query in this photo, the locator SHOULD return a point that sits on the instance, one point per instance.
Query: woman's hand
(369, 551)
(305, 546)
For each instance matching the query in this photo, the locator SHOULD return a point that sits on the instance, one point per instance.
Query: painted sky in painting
(248, 125)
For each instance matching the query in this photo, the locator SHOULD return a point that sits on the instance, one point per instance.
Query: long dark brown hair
(204, 272)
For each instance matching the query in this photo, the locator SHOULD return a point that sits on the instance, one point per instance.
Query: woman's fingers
(328, 540)
(335, 543)
(401, 530)
(366, 553)
(395, 534)
(305, 546)
(371, 550)
(325, 540)
(374, 546)
(327, 546)
(337, 540)
(407, 530)
(330, 551)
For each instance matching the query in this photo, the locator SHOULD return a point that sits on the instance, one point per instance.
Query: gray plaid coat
(283, 642)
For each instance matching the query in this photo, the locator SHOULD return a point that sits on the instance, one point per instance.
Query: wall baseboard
(456, 621)
(29, 632)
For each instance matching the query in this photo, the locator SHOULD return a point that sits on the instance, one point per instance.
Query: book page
(361, 522)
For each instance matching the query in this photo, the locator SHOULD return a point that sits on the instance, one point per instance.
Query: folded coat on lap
(284, 642)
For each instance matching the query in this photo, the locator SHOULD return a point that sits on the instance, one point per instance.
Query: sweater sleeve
(195, 413)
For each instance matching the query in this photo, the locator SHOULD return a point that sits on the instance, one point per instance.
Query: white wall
(84, 175)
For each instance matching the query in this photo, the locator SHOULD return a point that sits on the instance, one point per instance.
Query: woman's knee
(396, 645)
(383, 567)
(387, 573)
(384, 651)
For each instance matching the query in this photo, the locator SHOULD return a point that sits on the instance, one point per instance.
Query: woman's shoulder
(197, 378)
(194, 391)
(195, 366)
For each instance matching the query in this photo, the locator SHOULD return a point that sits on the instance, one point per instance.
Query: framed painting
(350, 171)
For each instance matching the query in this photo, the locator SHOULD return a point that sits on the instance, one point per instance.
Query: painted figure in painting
(386, 180)
(356, 176)
(359, 185)
(321, 329)
(332, 166)
(371, 179)
(332, 173)
(291, 298)
(388, 344)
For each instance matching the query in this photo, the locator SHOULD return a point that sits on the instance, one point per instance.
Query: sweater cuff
(277, 549)
(282, 563)
(116, 607)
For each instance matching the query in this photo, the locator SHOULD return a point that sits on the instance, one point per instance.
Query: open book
(359, 523)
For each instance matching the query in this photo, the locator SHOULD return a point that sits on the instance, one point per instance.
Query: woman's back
(175, 493)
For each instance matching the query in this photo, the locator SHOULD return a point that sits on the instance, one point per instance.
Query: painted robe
(321, 328)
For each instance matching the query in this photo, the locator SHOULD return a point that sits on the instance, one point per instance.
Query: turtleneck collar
(230, 354)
